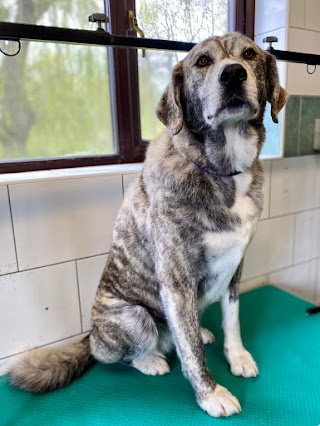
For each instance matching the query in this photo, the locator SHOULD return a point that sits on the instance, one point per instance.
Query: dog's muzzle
(232, 76)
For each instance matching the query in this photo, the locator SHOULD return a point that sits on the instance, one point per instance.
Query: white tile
(60, 221)
(270, 15)
(300, 280)
(6, 363)
(307, 236)
(299, 82)
(266, 189)
(257, 282)
(297, 13)
(128, 179)
(89, 274)
(295, 184)
(8, 261)
(38, 307)
(312, 15)
(271, 247)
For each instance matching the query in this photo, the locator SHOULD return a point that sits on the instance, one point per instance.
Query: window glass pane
(54, 98)
(61, 13)
(182, 20)
(54, 101)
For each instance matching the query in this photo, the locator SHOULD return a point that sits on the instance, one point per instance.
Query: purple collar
(216, 175)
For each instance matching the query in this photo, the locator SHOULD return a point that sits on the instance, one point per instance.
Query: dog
(183, 229)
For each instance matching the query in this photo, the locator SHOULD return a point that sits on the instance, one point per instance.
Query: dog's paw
(242, 363)
(207, 336)
(220, 403)
(153, 365)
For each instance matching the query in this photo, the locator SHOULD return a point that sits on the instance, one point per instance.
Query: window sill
(74, 173)
(78, 172)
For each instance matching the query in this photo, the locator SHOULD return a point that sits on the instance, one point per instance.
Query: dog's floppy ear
(276, 95)
(169, 110)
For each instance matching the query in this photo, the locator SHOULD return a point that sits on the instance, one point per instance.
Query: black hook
(9, 40)
(314, 69)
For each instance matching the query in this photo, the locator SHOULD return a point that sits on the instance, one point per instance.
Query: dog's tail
(44, 370)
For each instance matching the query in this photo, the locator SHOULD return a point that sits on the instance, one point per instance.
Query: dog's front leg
(180, 303)
(240, 360)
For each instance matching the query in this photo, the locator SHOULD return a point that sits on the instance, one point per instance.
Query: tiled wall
(55, 235)
(301, 113)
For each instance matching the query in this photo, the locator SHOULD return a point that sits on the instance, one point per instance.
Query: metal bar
(103, 38)
(297, 57)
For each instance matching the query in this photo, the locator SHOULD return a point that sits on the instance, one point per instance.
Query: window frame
(124, 85)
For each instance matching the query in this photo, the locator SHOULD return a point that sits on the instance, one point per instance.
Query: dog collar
(216, 175)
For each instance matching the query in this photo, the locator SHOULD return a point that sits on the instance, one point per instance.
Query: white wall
(304, 36)
(296, 23)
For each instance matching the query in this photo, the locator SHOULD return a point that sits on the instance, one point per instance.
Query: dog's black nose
(233, 75)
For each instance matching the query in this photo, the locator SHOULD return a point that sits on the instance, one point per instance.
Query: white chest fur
(241, 150)
(224, 250)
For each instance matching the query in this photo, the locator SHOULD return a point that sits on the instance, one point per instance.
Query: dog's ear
(276, 95)
(169, 110)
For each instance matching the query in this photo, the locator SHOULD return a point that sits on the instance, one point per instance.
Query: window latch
(133, 25)
(99, 18)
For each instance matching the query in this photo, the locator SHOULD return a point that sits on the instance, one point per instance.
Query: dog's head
(222, 80)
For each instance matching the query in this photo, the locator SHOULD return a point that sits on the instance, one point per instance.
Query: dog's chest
(224, 250)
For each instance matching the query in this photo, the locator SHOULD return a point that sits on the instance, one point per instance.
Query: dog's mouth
(235, 107)
(235, 103)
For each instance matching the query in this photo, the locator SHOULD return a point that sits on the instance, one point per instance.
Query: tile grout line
(53, 264)
(290, 214)
(283, 269)
(42, 346)
(13, 231)
(122, 182)
(79, 298)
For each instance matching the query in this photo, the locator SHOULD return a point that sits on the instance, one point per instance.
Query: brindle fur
(157, 279)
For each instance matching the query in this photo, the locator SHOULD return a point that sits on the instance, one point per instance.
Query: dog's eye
(203, 61)
(249, 53)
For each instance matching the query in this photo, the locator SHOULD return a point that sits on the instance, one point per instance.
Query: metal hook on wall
(10, 47)
(314, 69)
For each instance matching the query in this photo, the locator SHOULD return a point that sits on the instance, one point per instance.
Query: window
(65, 105)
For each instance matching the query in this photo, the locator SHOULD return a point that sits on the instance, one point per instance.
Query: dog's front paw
(220, 403)
(207, 336)
(242, 363)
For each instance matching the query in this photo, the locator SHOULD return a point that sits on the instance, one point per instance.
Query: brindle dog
(183, 229)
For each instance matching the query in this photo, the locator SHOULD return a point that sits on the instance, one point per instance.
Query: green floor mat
(283, 340)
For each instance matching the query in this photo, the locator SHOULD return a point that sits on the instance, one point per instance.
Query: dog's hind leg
(127, 333)
(206, 336)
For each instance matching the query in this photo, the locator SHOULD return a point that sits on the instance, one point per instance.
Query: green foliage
(70, 92)
(65, 87)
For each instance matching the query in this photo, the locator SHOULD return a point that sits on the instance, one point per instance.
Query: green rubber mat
(283, 340)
